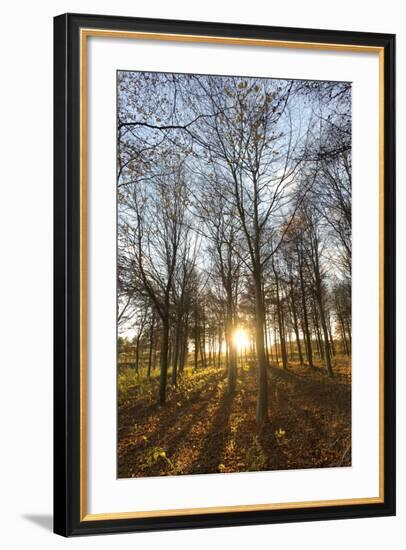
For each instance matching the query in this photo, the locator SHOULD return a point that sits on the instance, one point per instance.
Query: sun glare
(241, 339)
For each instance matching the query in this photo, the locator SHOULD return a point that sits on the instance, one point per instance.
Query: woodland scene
(233, 274)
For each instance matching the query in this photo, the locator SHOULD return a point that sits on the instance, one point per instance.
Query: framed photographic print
(224, 274)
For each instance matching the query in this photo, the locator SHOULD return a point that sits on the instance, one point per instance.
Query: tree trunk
(196, 350)
(266, 340)
(209, 343)
(262, 369)
(327, 353)
(227, 353)
(275, 342)
(296, 326)
(151, 345)
(330, 335)
(280, 324)
(344, 336)
(137, 353)
(270, 342)
(231, 364)
(184, 348)
(349, 336)
(164, 361)
(291, 350)
(220, 342)
(306, 331)
(232, 352)
(175, 355)
(155, 353)
(202, 342)
(320, 348)
(326, 345)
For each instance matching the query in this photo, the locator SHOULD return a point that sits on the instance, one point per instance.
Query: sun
(241, 339)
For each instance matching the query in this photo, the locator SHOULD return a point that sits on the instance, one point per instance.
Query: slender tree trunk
(209, 350)
(231, 364)
(306, 331)
(275, 342)
(326, 345)
(155, 353)
(164, 361)
(280, 322)
(196, 350)
(296, 327)
(262, 369)
(291, 350)
(175, 355)
(137, 354)
(330, 335)
(151, 345)
(279, 317)
(316, 326)
(266, 340)
(349, 337)
(270, 344)
(202, 354)
(283, 338)
(343, 335)
(202, 343)
(220, 345)
(327, 354)
(184, 348)
(232, 352)
(320, 350)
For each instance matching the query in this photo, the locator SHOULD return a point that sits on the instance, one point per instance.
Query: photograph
(234, 239)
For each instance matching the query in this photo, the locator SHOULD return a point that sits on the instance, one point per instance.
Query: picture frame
(72, 282)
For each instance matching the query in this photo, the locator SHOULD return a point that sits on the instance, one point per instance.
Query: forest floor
(201, 429)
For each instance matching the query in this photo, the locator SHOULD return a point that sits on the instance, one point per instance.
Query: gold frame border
(84, 34)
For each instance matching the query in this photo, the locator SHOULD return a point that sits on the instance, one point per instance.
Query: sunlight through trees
(233, 236)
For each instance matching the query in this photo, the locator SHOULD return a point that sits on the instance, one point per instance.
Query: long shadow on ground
(215, 440)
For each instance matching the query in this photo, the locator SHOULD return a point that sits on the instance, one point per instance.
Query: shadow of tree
(215, 440)
(141, 411)
(167, 434)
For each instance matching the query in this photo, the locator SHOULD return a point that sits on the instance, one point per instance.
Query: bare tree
(156, 230)
(234, 209)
